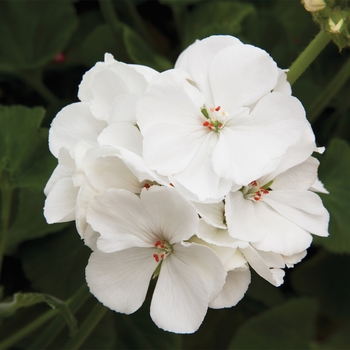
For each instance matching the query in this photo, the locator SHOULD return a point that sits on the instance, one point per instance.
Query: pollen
(164, 248)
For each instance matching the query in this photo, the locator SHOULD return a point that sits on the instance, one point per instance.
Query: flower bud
(313, 5)
(336, 24)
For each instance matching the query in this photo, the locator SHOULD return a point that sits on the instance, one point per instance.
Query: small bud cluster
(333, 16)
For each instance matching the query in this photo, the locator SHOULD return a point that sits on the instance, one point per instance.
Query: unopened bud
(336, 24)
(314, 5)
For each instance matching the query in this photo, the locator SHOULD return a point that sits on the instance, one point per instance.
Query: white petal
(120, 280)
(197, 57)
(180, 299)
(118, 216)
(122, 135)
(240, 75)
(205, 262)
(272, 275)
(124, 109)
(61, 201)
(304, 208)
(170, 215)
(247, 145)
(212, 213)
(72, 124)
(237, 282)
(106, 86)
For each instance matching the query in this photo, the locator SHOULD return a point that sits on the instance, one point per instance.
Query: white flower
(226, 125)
(140, 235)
(278, 213)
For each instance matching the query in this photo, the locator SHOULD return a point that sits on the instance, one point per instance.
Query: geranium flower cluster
(192, 176)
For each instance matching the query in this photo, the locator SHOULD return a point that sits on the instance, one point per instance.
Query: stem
(308, 56)
(87, 327)
(13, 339)
(329, 92)
(34, 79)
(108, 12)
(50, 333)
(41, 320)
(6, 190)
(138, 23)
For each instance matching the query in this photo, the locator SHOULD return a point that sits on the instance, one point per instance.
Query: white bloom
(226, 125)
(137, 236)
(279, 213)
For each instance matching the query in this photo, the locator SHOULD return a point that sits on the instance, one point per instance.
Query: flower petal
(120, 280)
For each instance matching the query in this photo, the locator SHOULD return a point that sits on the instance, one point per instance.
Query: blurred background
(45, 48)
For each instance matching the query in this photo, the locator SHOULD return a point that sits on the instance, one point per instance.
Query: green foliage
(287, 326)
(33, 32)
(216, 18)
(20, 300)
(334, 172)
(317, 278)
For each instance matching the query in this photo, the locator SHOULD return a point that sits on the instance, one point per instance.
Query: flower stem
(50, 333)
(329, 92)
(108, 12)
(308, 56)
(82, 293)
(87, 327)
(34, 79)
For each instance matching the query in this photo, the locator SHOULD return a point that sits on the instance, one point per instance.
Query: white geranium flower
(279, 213)
(139, 235)
(227, 125)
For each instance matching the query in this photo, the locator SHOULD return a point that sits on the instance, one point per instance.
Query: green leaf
(56, 263)
(101, 40)
(317, 277)
(334, 172)
(264, 291)
(20, 300)
(33, 32)
(141, 53)
(209, 18)
(29, 222)
(340, 339)
(287, 326)
(24, 148)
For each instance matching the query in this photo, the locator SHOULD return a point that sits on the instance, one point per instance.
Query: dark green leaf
(209, 18)
(23, 147)
(334, 172)
(56, 264)
(287, 326)
(141, 53)
(33, 32)
(318, 278)
(29, 222)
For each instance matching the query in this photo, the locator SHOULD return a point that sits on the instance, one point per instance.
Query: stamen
(218, 108)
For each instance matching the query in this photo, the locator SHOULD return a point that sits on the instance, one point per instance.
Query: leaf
(264, 291)
(317, 277)
(33, 32)
(287, 326)
(101, 40)
(24, 147)
(29, 222)
(141, 53)
(20, 300)
(334, 172)
(340, 339)
(56, 263)
(209, 18)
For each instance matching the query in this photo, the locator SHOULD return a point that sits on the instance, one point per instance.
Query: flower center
(256, 193)
(164, 248)
(216, 118)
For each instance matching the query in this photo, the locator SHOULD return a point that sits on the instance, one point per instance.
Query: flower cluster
(191, 176)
